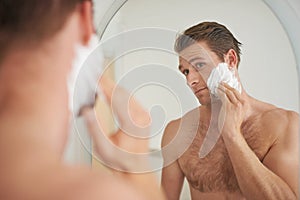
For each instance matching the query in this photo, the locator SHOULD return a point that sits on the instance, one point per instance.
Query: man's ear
(231, 58)
(86, 14)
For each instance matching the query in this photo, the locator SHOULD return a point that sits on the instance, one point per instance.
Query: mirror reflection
(267, 65)
(267, 71)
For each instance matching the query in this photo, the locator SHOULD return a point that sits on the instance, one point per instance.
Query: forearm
(255, 180)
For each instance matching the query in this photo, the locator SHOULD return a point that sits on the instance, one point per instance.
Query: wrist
(232, 135)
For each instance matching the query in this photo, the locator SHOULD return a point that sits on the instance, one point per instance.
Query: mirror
(267, 68)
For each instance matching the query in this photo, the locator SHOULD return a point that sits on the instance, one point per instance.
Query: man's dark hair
(32, 20)
(219, 39)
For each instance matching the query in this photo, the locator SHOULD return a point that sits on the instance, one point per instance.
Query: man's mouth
(201, 89)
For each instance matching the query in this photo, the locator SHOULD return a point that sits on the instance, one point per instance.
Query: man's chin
(204, 100)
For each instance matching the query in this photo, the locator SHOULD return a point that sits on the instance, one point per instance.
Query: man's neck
(254, 106)
(33, 95)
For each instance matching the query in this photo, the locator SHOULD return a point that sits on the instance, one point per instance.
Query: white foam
(222, 73)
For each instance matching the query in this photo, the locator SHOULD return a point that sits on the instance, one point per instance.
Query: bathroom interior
(268, 68)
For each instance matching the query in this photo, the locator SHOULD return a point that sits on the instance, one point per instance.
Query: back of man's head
(31, 21)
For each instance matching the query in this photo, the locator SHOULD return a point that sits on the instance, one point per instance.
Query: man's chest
(214, 173)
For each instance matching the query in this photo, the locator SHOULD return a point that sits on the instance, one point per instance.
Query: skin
(256, 156)
(34, 124)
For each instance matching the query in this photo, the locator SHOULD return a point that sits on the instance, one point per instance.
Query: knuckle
(238, 104)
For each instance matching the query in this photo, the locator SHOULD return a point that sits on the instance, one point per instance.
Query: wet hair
(218, 38)
(32, 20)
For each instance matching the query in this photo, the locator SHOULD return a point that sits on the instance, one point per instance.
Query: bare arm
(283, 157)
(276, 177)
(172, 181)
(172, 176)
(133, 121)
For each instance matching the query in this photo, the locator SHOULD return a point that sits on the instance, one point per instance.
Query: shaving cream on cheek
(222, 73)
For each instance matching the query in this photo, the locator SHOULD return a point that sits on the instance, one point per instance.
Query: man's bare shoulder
(101, 185)
(280, 121)
(186, 122)
(84, 183)
(170, 131)
(65, 182)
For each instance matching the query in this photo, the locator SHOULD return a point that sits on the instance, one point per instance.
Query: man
(256, 155)
(37, 40)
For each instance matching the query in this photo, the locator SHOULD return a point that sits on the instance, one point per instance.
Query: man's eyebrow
(197, 58)
(191, 61)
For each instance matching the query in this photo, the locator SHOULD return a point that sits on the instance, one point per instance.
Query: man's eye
(199, 65)
(185, 72)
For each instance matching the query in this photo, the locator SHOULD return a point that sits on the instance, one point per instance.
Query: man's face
(196, 62)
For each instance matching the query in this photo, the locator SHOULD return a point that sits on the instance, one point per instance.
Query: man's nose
(193, 78)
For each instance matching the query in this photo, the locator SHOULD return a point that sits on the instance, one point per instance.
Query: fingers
(226, 95)
(232, 95)
(236, 93)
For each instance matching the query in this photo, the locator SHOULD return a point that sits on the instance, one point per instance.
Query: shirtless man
(37, 40)
(256, 157)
